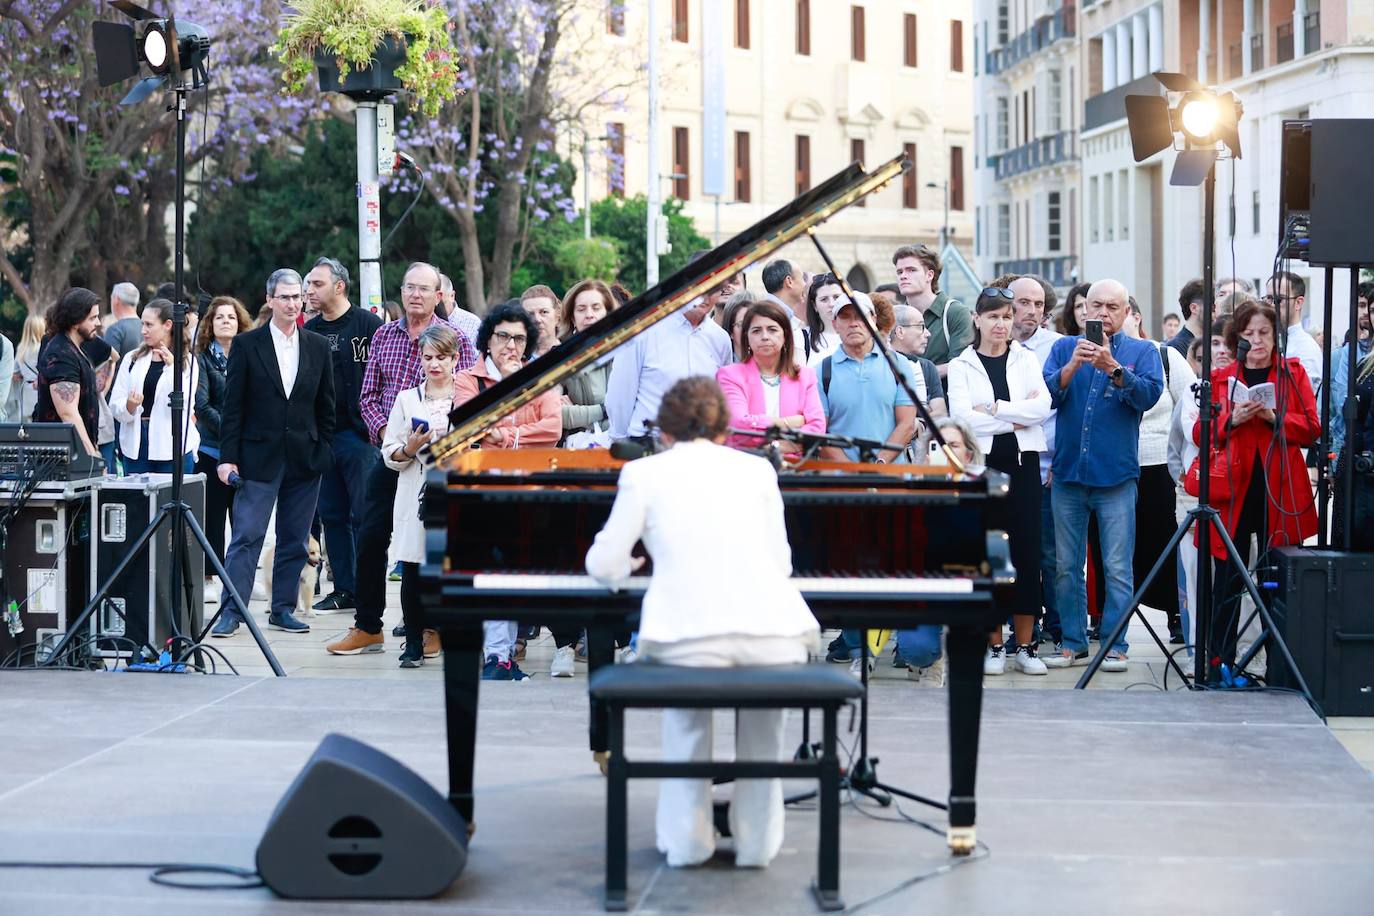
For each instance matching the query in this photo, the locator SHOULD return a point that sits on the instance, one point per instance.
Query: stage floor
(1122, 801)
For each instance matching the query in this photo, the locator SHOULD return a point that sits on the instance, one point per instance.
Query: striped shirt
(393, 365)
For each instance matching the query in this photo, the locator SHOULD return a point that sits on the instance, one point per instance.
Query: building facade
(808, 87)
(1026, 171)
(1283, 59)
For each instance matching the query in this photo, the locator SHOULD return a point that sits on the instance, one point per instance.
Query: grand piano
(873, 546)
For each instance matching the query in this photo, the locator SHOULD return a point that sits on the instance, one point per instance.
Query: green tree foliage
(623, 219)
(301, 207)
(582, 259)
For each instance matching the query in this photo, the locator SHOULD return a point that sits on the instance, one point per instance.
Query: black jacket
(262, 431)
(209, 400)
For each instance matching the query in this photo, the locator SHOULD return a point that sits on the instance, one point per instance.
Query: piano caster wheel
(961, 840)
(602, 759)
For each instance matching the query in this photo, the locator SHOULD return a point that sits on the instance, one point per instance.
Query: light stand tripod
(1204, 515)
(176, 513)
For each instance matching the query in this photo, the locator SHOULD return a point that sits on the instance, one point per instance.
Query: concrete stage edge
(1120, 801)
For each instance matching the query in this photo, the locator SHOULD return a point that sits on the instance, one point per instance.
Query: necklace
(772, 381)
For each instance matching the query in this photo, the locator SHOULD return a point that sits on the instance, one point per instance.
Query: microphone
(1242, 348)
(625, 450)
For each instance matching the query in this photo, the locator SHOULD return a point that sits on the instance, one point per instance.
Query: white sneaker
(1027, 662)
(211, 592)
(1115, 661)
(995, 661)
(626, 656)
(563, 664)
(856, 666)
(933, 675)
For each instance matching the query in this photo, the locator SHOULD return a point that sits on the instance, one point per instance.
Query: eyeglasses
(293, 298)
(502, 338)
(920, 325)
(417, 288)
(996, 292)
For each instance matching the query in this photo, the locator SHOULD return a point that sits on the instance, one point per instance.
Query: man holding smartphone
(1100, 384)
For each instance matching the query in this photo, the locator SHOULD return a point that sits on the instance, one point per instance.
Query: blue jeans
(142, 464)
(342, 501)
(1115, 511)
(1049, 566)
(921, 646)
(107, 454)
(295, 500)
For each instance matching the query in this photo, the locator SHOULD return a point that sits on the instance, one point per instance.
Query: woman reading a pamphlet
(1267, 415)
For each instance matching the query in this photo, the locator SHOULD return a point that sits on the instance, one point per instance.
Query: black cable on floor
(161, 872)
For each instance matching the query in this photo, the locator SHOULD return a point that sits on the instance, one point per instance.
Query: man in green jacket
(949, 321)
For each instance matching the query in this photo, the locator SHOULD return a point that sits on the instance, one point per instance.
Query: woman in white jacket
(418, 417)
(746, 611)
(141, 398)
(996, 387)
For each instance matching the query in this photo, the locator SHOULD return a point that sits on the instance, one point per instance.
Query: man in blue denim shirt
(1100, 393)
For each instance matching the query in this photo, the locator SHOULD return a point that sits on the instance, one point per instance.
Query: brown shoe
(432, 647)
(519, 653)
(356, 642)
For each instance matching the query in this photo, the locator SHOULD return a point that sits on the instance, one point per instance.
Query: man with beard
(67, 390)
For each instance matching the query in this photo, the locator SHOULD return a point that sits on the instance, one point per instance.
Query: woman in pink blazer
(768, 388)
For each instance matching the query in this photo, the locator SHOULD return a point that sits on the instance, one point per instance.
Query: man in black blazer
(275, 433)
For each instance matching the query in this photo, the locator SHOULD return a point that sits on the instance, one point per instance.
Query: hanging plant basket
(376, 80)
(370, 48)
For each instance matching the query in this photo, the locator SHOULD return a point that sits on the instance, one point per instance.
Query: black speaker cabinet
(46, 565)
(1295, 189)
(1342, 192)
(357, 824)
(1326, 616)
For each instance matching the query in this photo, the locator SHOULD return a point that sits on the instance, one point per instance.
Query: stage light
(154, 49)
(1198, 115)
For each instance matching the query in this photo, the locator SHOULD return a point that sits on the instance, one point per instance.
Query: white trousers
(685, 824)
(498, 638)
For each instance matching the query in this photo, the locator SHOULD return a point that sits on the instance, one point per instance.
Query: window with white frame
(1123, 188)
(1054, 102)
(1003, 123)
(1003, 230)
(1053, 222)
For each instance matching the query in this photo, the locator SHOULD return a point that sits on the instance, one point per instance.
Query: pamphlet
(1262, 394)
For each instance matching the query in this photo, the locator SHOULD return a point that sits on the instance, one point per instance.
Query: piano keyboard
(808, 585)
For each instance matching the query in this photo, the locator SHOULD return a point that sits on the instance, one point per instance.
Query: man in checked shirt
(393, 365)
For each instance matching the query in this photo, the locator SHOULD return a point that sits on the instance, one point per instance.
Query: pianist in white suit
(721, 595)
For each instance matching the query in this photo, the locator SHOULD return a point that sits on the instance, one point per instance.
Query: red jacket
(1292, 508)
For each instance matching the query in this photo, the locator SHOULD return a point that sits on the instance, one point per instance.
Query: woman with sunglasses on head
(823, 299)
(996, 387)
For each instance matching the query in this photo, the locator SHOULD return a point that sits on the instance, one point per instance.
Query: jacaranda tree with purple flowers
(98, 176)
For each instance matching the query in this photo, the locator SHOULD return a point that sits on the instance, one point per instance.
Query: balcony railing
(1283, 43)
(1062, 23)
(1312, 32)
(1037, 154)
(1059, 271)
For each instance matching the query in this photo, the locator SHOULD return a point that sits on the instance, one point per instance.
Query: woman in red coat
(1270, 494)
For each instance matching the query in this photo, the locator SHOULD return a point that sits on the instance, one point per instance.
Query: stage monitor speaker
(1295, 189)
(1342, 192)
(357, 824)
(1323, 610)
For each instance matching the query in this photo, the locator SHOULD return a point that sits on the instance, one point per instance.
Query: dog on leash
(310, 574)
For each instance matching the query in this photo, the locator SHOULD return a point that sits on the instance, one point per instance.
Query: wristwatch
(1118, 373)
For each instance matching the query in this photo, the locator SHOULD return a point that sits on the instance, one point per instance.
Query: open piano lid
(469, 421)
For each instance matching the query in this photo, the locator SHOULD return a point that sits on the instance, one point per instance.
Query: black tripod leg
(135, 550)
(1106, 644)
(964, 646)
(235, 600)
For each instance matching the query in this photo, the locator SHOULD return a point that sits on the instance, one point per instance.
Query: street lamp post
(944, 226)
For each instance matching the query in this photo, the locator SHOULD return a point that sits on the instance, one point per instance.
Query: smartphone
(1092, 329)
(419, 425)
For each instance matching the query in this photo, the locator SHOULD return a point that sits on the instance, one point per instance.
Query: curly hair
(510, 310)
(205, 331)
(694, 408)
(1241, 320)
(72, 308)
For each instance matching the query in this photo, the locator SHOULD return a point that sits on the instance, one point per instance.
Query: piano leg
(965, 646)
(462, 677)
(600, 651)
